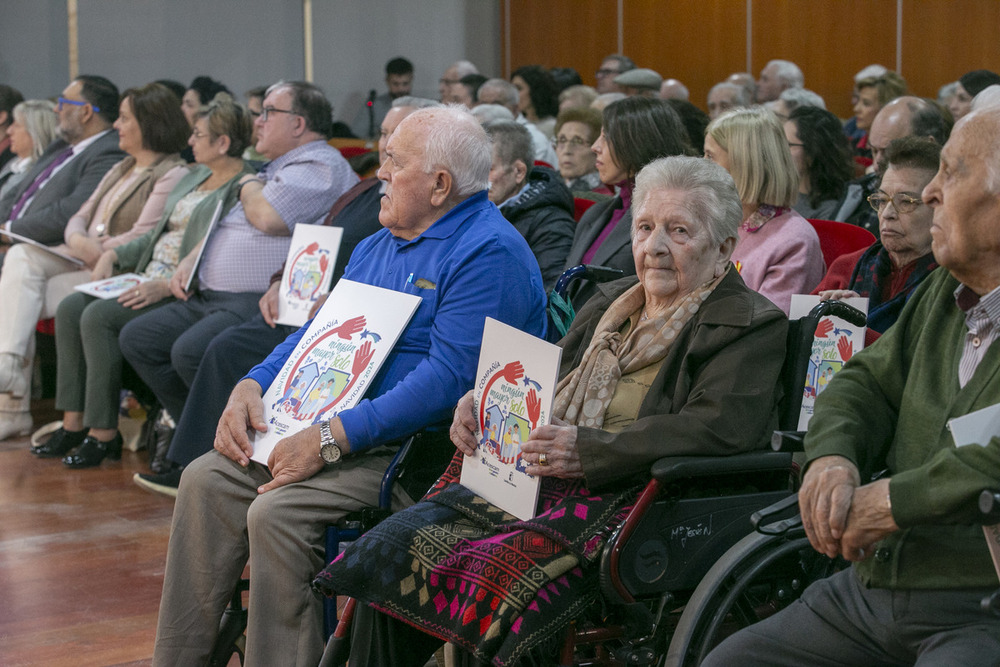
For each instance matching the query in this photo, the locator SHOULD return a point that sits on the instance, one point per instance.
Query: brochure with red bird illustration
(308, 269)
(334, 361)
(515, 386)
(113, 287)
(836, 340)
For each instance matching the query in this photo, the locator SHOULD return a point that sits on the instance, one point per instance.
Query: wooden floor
(81, 559)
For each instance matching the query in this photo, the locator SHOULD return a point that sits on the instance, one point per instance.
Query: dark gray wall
(245, 43)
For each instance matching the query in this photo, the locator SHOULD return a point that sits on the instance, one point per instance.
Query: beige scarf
(582, 397)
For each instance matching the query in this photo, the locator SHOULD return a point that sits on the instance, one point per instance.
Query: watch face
(330, 453)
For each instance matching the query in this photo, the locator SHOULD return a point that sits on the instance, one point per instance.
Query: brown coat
(716, 392)
(128, 207)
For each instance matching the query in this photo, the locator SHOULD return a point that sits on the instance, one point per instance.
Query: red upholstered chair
(580, 206)
(543, 163)
(840, 238)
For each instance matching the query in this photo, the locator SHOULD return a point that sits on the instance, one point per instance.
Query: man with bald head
(444, 241)
(672, 89)
(902, 117)
(452, 77)
(921, 564)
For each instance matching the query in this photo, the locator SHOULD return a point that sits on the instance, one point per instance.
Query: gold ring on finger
(543, 460)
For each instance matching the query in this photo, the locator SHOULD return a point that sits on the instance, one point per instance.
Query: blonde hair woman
(778, 252)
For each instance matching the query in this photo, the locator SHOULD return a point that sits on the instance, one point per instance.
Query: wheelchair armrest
(989, 505)
(788, 441)
(679, 467)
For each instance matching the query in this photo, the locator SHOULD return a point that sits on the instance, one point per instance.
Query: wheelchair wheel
(757, 577)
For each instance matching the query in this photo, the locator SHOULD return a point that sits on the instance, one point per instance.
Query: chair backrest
(580, 206)
(840, 238)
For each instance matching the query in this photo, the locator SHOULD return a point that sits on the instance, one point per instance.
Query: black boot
(59, 443)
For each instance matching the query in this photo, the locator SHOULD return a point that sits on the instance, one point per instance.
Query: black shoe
(59, 443)
(93, 451)
(164, 435)
(165, 483)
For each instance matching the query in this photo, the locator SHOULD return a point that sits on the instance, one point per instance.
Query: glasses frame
(75, 103)
(267, 111)
(907, 205)
(576, 143)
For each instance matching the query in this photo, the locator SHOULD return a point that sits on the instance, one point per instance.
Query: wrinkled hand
(105, 265)
(845, 347)
(294, 459)
(269, 304)
(320, 300)
(837, 294)
(183, 272)
(558, 441)
(869, 520)
(512, 372)
(463, 426)
(350, 327)
(243, 412)
(824, 328)
(534, 406)
(825, 501)
(145, 294)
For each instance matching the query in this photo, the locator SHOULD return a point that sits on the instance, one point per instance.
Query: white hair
(871, 72)
(788, 73)
(742, 94)
(800, 97)
(464, 68)
(414, 102)
(946, 92)
(456, 142)
(507, 90)
(604, 99)
(711, 189)
(491, 113)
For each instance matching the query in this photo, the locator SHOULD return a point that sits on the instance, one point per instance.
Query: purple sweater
(780, 259)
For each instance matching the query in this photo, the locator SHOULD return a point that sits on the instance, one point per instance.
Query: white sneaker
(12, 379)
(14, 424)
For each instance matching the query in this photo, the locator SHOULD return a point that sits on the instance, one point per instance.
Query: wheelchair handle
(839, 309)
(592, 272)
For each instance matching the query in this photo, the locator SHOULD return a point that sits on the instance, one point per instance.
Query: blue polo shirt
(469, 265)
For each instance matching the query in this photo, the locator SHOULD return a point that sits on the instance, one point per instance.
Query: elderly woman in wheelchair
(681, 359)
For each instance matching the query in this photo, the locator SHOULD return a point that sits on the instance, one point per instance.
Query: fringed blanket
(464, 570)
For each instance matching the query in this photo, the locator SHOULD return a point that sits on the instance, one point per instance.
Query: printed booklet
(978, 428)
(515, 386)
(835, 342)
(54, 250)
(113, 287)
(308, 270)
(334, 361)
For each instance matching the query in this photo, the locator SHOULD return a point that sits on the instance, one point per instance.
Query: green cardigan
(134, 255)
(889, 407)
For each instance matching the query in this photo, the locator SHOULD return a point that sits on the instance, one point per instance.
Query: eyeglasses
(606, 71)
(563, 142)
(267, 111)
(791, 145)
(198, 135)
(902, 203)
(449, 82)
(75, 103)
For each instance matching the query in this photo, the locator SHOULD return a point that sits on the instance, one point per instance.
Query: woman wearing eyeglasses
(576, 130)
(888, 271)
(127, 202)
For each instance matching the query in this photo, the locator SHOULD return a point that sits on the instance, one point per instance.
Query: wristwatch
(329, 450)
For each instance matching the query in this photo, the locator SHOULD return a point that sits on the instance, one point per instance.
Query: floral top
(166, 252)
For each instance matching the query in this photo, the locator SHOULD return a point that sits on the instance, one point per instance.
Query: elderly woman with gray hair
(680, 359)
(33, 128)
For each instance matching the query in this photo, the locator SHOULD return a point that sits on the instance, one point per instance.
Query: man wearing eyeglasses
(69, 170)
(921, 564)
(298, 186)
(611, 67)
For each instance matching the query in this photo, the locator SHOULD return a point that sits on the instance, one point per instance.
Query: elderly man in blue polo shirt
(468, 263)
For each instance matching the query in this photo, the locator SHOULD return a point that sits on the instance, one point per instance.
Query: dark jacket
(543, 215)
(616, 251)
(854, 207)
(44, 220)
(716, 391)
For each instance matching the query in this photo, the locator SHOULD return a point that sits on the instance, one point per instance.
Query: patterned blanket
(467, 572)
